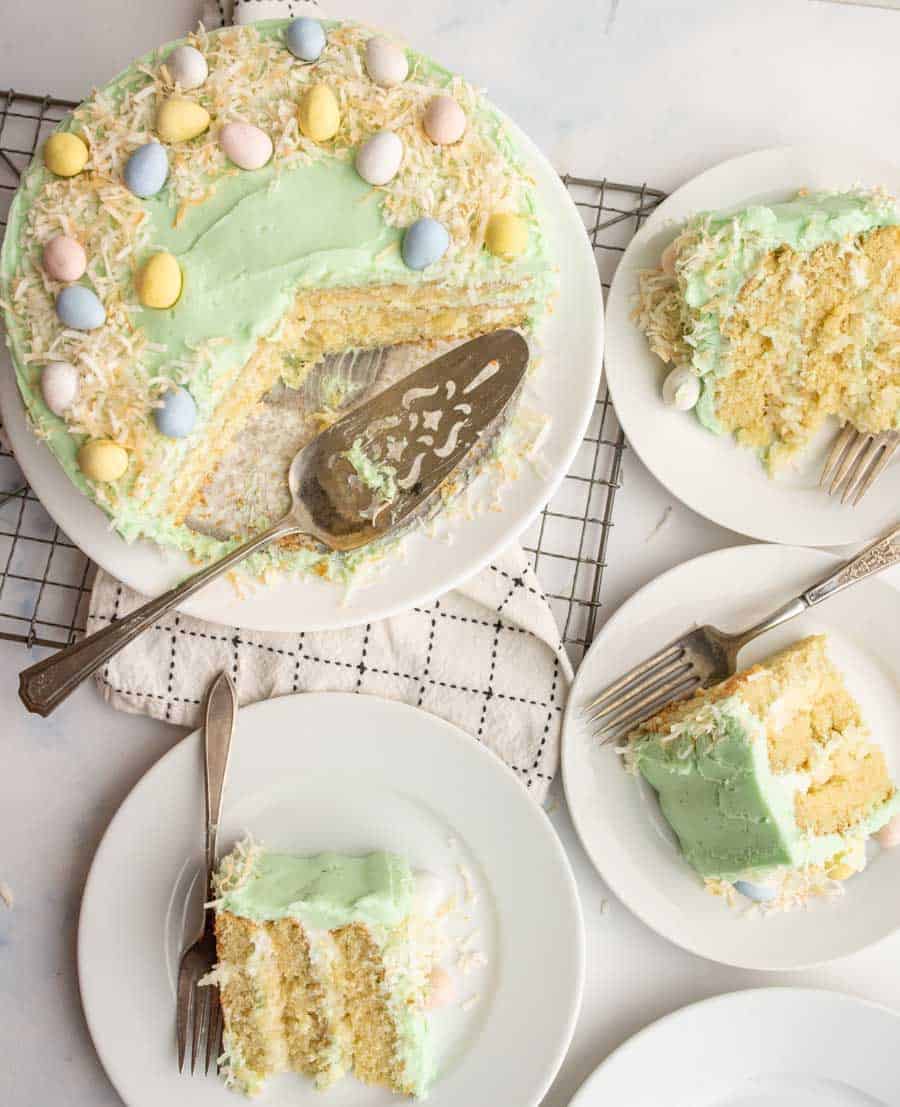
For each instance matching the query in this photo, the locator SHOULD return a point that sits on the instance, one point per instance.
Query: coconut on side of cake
(327, 965)
(770, 780)
(778, 316)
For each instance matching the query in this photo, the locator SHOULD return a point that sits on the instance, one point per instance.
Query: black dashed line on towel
(362, 661)
(489, 691)
(435, 610)
(174, 640)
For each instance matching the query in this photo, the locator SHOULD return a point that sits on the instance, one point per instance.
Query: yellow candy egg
(319, 115)
(179, 120)
(102, 459)
(65, 154)
(506, 235)
(159, 281)
(840, 871)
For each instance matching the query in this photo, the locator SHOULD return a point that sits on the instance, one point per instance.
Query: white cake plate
(617, 815)
(709, 473)
(564, 387)
(335, 771)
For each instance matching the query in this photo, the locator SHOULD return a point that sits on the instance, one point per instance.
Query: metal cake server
(198, 1012)
(421, 428)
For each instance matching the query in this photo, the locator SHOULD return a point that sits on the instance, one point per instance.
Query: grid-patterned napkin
(486, 657)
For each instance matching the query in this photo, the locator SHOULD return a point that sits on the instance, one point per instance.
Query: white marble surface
(629, 89)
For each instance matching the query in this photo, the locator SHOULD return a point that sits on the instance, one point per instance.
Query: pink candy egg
(441, 990)
(889, 835)
(444, 120)
(64, 259)
(247, 146)
(667, 261)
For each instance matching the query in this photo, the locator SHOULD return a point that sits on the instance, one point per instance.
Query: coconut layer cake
(325, 965)
(778, 316)
(222, 215)
(770, 780)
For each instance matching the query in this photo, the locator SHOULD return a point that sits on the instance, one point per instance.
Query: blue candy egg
(146, 170)
(759, 893)
(80, 308)
(305, 39)
(178, 414)
(424, 243)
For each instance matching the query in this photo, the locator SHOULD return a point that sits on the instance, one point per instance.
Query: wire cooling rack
(45, 580)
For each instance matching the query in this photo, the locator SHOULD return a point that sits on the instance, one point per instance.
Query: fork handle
(44, 686)
(882, 554)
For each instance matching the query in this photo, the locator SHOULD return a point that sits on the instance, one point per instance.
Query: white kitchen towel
(486, 657)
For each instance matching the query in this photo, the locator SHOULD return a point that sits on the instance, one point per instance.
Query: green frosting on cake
(324, 891)
(733, 816)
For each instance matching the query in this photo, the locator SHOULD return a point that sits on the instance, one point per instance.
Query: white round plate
(571, 345)
(766, 1047)
(709, 473)
(617, 815)
(335, 771)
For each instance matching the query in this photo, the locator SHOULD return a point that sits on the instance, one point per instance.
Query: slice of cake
(770, 779)
(179, 249)
(325, 966)
(778, 316)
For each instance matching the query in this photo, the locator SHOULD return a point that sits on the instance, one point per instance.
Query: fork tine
(848, 431)
(674, 690)
(643, 687)
(890, 442)
(863, 462)
(201, 1024)
(663, 655)
(214, 1030)
(849, 461)
(184, 1016)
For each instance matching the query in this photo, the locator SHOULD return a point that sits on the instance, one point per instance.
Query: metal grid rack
(45, 580)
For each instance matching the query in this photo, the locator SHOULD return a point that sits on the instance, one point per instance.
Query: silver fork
(856, 461)
(707, 655)
(198, 1012)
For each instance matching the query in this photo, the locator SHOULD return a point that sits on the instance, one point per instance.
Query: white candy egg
(187, 67)
(59, 386)
(889, 835)
(430, 893)
(379, 157)
(681, 388)
(386, 63)
(441, 989)
(247, 146)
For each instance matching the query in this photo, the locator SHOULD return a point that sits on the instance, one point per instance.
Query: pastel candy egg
(180, 120)
(64, 258)
(59, 386)
(379, 157)
(386, 63)
(65, 154)
(101, 459)
(187, 67)
(247, 146)
(305, 39)
(506, 235)
(159, 281)
(441, 989)
(444, 120)
(177, 415)
(80, 308)
(681, 388)
(889, 835)
(146, 169)
(319, 115)
(424, 242)
(759, 893)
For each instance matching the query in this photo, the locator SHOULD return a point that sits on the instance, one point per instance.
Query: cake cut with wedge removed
(324, 969)
(770, 780)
